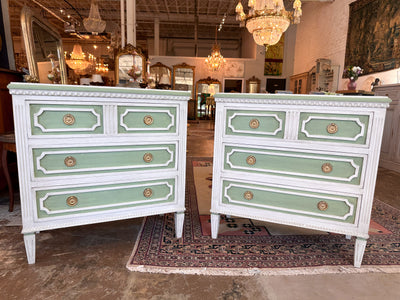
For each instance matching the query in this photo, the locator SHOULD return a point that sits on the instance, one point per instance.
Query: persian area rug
(250, 247)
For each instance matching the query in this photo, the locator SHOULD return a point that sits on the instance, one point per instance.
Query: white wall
(322, 33)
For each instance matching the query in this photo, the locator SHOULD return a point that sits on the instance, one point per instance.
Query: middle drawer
(83, 160)
(301, 164)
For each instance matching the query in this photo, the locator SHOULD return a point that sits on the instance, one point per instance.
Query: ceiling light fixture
(94, 23)
(215, 61)
(267, 20)
(78, 61)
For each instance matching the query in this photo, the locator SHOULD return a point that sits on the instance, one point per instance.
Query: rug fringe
(266, 272)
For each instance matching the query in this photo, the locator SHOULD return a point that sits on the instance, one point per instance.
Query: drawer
(78, 200)
(84, 160)
(334, 128)
(66, 119)
(334, 207)
(255, 123)
(144, 119)
(326, 167)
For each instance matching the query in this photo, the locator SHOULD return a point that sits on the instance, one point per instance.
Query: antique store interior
(202, 47)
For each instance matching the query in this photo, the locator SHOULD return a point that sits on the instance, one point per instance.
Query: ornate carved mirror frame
(125, 58)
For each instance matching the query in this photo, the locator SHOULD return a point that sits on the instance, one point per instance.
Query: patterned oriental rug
(250, 247)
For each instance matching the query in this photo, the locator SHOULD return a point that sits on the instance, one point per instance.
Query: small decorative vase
(352, 85)
(133, 83)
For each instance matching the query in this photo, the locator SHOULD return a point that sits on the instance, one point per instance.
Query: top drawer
(255, 123)
(47, 119)
(339, 128)
(137, 119)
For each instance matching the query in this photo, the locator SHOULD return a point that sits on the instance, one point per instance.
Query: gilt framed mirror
(41, 41)
(183, 80)
(206, 87)
(162, 75)
(125, 59)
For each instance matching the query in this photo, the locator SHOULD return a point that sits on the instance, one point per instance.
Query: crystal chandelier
(267, 20)
(215, 61)
(78, 61)
(94, 23)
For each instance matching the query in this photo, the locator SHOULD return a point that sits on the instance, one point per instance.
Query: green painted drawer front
(79, 160)
(346, 169)
(334, 128)
(66, 119)
(74, 200)
(270, 124)
(137, 119)
(319, 205)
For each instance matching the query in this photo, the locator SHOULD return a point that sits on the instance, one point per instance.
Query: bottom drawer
(77, 200)
(293, 201)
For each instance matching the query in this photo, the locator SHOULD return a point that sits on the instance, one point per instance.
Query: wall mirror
(253, 85)
(183, 78)
(40, 41)
(161, 74)
(125, 59)
(205, 88)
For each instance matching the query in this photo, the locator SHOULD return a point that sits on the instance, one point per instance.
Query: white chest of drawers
(97, 154)
(302, 160)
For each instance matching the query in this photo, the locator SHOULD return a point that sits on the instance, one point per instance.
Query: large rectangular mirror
(40, 41)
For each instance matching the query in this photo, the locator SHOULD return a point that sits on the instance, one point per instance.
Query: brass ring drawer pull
(332, 128)
(148, 120)
(70, 161)
(147, 157)
(72, 201)
(248, 195)
(69, 119)
(251, 160)
(327, 168)
(148, 192)
(322, 205)
(254, 123)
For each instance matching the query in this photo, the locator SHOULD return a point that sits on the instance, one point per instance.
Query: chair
(7, 144)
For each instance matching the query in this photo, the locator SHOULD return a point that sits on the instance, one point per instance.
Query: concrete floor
(88, 262)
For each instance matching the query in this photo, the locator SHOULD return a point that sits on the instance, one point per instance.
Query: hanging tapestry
(373, 38)
(274, 59)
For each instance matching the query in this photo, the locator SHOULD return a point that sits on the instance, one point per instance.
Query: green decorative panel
(83, 160)
(78, 200)
(305, 165)
(255, 123)
(66, 119)
(147, 119)
(326, 206)
(339, 128)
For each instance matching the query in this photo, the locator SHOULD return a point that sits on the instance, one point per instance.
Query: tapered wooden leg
(359, 251)
(179, 218)
(30, 247)
(215, 218)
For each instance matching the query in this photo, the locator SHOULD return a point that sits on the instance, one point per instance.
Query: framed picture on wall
(233, 85)
(274, 59)
(234, 69)
(373, 37)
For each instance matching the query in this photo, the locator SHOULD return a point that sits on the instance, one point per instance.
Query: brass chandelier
(267, 20)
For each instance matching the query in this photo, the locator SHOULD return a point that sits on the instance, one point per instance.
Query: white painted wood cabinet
(301, 160)
(390, 151)
(97, 154)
